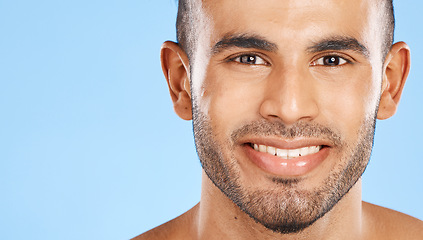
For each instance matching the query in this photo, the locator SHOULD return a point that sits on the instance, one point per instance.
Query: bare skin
(282, 75)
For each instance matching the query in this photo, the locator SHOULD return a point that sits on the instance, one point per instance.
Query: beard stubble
(284, 209)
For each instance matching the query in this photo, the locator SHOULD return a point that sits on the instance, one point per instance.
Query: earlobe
(175, 66)
(395, 73)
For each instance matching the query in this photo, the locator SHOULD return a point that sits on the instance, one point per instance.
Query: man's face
(284, 101)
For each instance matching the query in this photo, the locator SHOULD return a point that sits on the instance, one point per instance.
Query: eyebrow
(243, 41)
(339, 43)
(252, 41)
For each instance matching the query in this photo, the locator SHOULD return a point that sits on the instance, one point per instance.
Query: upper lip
(283, 143)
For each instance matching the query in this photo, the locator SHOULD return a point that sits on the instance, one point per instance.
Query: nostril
(288, 109)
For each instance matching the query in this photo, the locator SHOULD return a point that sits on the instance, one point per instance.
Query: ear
(175, 66)
(395, 72)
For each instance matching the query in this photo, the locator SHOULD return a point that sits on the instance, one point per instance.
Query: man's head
(284, 96)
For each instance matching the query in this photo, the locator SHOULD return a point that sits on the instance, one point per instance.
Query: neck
(217, 217)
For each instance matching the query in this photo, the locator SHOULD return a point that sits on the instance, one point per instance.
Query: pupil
(248, 59)
(332, 61)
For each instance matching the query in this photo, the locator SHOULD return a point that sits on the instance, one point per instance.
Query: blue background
(89, 145)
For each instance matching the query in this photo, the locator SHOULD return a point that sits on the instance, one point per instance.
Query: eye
(330, 61)
(250, 59)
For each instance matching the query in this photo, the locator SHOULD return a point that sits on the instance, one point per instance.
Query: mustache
(265, 128)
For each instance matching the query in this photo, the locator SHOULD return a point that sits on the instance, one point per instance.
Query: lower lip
(286, 167)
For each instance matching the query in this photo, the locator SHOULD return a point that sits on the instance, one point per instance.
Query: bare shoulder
(390, 224)
(164, 231)
(175, 229)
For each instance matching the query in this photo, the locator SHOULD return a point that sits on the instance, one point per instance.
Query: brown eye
(330, 61)
(250, 59)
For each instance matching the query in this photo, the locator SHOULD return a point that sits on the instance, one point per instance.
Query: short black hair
(186, 23)
(185, 26)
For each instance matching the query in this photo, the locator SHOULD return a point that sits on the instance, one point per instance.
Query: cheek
(350, 100)
(230, 100)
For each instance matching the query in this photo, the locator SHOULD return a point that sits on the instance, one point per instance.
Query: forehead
(292, 21)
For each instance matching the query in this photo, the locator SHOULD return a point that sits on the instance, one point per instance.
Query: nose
(290, 96)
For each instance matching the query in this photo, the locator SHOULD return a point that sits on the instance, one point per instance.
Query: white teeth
(256, 147)
(271, 150)
(294, 153)
(282, 153)
(304, 151)
(287, 153)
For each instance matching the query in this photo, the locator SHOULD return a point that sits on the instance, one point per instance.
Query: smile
(286, 153)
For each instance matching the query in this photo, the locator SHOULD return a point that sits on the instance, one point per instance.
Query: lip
(287, 167)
